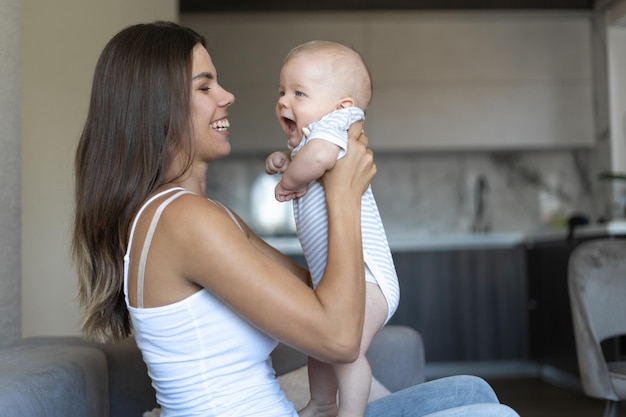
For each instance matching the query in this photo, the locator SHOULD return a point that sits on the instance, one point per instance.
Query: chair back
(597, 290)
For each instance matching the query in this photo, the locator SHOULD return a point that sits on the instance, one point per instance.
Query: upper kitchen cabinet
(442, 80)
(481, 81)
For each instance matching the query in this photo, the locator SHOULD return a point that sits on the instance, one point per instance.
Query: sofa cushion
(130, 389)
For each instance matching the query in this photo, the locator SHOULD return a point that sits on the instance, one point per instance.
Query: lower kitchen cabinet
(468, 304)
(551, 331)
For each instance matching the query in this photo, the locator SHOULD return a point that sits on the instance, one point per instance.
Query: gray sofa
(69, 377)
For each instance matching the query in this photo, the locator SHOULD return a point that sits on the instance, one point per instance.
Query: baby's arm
(310, 163)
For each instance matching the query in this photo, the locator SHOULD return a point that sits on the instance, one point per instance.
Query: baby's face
(305, 94)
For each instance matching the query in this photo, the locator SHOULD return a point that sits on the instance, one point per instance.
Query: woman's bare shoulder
(194, 214)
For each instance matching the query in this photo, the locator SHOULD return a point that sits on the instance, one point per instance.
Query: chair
(597, 290)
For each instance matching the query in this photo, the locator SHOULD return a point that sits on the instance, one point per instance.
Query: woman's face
(209, 103)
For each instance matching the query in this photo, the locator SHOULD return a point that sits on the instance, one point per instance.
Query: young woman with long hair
(205, 298)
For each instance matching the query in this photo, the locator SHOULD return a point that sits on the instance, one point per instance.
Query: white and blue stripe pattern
(312, 224)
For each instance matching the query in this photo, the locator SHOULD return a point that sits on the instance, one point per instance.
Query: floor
(532, 397)
(530, 389)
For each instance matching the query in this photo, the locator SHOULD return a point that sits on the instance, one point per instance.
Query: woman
(208, 299)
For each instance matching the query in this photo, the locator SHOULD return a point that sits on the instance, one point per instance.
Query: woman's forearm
(342, 288)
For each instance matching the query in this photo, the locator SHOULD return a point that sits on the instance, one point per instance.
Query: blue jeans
(455, 396)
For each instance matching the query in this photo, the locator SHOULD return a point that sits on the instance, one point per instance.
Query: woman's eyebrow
(207, 75)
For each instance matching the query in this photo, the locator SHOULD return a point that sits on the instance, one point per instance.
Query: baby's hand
(283, 194)
(276, 163)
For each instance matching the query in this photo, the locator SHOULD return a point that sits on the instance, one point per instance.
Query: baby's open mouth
(290, 126)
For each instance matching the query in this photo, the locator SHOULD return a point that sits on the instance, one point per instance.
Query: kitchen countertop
(421, 242)
(454, 241)
(613, 228)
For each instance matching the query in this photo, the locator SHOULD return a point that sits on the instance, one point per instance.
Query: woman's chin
(223, 151)
(227, 149)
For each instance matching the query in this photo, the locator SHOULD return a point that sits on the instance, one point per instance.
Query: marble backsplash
(419, 193)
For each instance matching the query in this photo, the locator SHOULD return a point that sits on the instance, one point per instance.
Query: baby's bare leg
(323, 389)
(354, 379)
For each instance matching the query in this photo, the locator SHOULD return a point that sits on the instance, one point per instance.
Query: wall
(61, 41)
(616, 40)
(10, 218)
(425, 193)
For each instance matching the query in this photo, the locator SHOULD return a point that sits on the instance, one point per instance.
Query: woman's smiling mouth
(221, 125)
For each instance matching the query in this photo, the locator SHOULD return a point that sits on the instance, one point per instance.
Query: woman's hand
(353, 173)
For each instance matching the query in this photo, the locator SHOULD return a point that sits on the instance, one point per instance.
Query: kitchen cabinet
(551, 332)
(492, 299)
(468, 304)
(378, 5)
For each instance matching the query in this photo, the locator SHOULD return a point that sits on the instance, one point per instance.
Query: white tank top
(203, 358)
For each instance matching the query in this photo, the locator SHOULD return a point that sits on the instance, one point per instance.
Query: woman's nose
(229, 98)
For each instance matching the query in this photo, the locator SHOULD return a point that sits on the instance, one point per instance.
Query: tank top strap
(147, 241)
(230, 214)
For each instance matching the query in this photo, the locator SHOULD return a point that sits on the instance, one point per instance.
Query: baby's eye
(299, 93)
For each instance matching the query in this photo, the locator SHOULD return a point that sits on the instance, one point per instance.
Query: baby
(324, 88)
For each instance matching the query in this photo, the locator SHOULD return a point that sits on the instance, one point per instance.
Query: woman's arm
(326, 323)
(270, 251)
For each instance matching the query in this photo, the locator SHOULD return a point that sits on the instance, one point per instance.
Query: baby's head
(318, 77)
(343, 68)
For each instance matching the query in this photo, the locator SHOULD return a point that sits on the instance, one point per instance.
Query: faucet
(480, 223)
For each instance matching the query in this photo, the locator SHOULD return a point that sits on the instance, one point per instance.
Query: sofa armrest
(54, 381)
(129, 390)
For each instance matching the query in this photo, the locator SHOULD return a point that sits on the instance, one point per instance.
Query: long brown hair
(138, 121)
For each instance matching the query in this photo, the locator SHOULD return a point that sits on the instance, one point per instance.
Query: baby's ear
(345, 102)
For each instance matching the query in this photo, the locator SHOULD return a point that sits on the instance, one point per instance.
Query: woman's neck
(193, 180)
